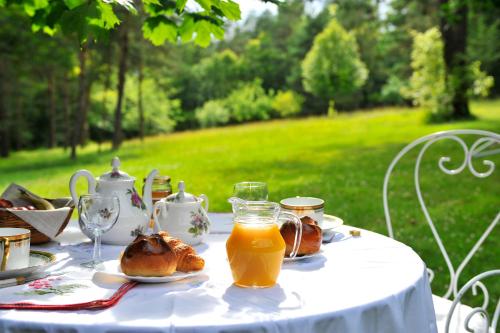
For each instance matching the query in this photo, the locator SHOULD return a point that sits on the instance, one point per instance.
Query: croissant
(187, 259)
(148, 256)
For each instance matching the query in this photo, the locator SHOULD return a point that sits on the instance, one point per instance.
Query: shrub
(249, 102)
(427, 86)
(391, 91)
(212, 113)
(482, 82)
(287, 103)
(159, 109)
(427, 83)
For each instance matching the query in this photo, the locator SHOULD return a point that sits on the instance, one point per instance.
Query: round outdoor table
(369, 283)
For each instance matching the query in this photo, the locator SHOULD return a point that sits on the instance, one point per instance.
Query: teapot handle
(158, 205)
(73, 180)
(205, 200)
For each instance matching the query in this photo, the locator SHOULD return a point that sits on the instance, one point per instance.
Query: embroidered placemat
(68, 292)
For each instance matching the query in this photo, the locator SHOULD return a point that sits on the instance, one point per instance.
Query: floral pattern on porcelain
(135, 199)
(137, 231)
(199, 223)
(115, 174)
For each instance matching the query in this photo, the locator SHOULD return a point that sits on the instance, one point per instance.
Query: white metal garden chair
(451, 315)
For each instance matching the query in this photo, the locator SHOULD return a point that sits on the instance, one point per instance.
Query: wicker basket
(10, 220)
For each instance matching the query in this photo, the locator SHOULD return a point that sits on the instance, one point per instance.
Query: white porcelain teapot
(135, 212)
(183, 216)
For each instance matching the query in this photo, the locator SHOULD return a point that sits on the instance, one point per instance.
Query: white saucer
(307, 256)
(330, 222)
(39, 261)
(112, 268)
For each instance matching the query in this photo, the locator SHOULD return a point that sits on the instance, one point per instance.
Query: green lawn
(341, 159)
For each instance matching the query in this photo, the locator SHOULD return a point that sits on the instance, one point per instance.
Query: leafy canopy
(428, 86)
(333, 66)
(165, 20)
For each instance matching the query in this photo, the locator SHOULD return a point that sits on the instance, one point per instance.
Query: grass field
(341, 159)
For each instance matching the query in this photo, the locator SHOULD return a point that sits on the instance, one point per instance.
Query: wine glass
(251, 191)
(98, 214)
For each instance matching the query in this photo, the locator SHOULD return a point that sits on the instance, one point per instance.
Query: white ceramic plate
(307, 256)
(39, 261)
(113, 268)
(331, 222)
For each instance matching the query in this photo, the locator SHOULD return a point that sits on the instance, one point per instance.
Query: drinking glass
(251, 191)
(98, 214)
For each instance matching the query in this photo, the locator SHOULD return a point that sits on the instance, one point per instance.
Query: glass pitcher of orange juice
(255, 248)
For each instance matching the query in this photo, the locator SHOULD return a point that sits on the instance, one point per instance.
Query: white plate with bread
(112, 268)
(156, 258)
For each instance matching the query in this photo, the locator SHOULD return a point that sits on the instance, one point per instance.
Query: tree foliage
(333, 66)
(213, 113)
(428, 87)
(169, 20)
(287, 103)
(257, 71)
(247, 102)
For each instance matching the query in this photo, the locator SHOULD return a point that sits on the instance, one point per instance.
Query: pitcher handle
(205, 200)
(298, 232)
(73, 180)
(158, 205)
(6, 252)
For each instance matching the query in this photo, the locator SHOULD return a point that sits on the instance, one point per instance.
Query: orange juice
(255, 251)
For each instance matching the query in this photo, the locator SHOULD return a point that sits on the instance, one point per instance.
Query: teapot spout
(147, 196)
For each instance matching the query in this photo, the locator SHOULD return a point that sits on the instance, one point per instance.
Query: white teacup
(305, 206)
(14, 248)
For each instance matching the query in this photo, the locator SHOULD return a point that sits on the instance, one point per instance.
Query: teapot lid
(115, 174)
(181, 196)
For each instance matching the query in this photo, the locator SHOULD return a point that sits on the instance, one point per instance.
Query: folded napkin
(50, 222)
(66, 292)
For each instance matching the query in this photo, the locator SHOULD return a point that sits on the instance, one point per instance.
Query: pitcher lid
(182, 196)
(115, 174)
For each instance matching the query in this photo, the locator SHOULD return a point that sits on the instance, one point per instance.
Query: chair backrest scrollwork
(486, 143)
(488, 324)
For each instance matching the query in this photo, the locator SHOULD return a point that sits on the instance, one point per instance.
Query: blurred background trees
(73, 71)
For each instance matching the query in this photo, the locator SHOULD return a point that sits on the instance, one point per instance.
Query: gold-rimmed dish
(38, 262)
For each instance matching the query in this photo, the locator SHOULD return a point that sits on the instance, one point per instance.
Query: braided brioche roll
(187, 259)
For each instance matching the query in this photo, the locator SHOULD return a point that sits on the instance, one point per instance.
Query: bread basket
(43, 224)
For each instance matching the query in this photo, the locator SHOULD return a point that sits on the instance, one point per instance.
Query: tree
(428, 85)
(453, 26)
(483, 28)
(4, 123)
(122, 70)
(403, 17)
(333, 67)
(91, 20)
(361, 18)
(216, 76)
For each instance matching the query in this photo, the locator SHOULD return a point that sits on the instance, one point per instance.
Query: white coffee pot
(135, 213)
(183, 216)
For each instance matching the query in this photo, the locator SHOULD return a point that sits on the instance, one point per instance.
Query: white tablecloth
(366, 284)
